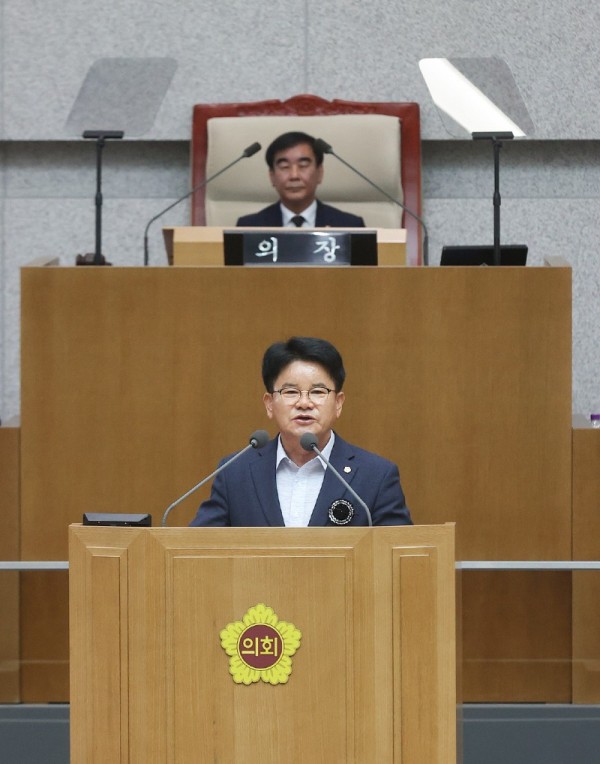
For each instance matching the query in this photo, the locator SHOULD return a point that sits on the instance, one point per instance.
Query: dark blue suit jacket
(245, 493)
(327, 217)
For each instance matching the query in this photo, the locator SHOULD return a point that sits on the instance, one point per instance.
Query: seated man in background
(285, 484)
(295, 170)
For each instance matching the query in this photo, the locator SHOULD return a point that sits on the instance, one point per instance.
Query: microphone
(309, 443)
(258, 439)
(247, 152)
(325, 147)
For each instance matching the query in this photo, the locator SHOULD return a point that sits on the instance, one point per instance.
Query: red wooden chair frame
(309, 105)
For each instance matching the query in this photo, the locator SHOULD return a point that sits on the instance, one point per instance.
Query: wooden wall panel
(586, 546)
(136, 381)
(516, 636)
(44, 644)
(10, 435)
(586, 493)
(153, 375)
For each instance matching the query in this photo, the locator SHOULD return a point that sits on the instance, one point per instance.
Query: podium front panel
(150, 680)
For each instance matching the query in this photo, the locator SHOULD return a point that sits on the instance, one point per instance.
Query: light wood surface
(150, 681)
(586, 546)
(137, 381)
(10, 669)
(586, 493)
(203, 245)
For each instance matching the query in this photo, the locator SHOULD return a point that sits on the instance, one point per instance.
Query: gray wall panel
(34, 734)
(68, 169)
(373, 52)
(528, 169)
(246, 50)
(531, 734)
(233, 50)
(250, 49)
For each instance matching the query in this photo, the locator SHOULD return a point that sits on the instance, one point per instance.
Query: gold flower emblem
(260, 647)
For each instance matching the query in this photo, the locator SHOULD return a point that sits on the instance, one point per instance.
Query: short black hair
(288, 141)
(282, 354)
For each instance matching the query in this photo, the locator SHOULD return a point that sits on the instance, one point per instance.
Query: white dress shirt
(309, 215)
(298, 487)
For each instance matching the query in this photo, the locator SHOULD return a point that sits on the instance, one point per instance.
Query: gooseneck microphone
(248, 152)
(308, 441)
(258, 439)
(327, 149)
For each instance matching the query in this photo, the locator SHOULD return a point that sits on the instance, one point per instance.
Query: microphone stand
(308, 443)
(327, 149)
(201, 483)
(496, 139)
(100, 136)
(248, 152)
(258, 439)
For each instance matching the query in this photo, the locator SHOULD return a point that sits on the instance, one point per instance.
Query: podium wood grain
(150, 681)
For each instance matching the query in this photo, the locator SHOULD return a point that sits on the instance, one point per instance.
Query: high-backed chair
(382, 140)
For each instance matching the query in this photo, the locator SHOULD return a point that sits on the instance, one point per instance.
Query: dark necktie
(298, 221)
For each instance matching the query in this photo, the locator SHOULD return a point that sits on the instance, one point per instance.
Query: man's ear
(339, 403)
(268, 401)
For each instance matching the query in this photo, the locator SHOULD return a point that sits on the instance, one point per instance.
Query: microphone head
(251, 150)
(259, 438)
(308, 441)
(323, 146)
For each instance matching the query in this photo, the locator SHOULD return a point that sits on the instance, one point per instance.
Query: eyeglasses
(292, 395)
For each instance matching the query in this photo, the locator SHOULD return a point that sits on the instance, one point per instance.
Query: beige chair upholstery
(370, 142)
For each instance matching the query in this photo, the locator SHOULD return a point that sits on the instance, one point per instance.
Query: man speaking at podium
(287, 482)
(295, 170)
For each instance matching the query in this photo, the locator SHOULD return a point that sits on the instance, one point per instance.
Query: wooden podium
(372, 681)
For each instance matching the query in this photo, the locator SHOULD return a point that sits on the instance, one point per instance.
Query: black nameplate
(116, 518)
(285, 246)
